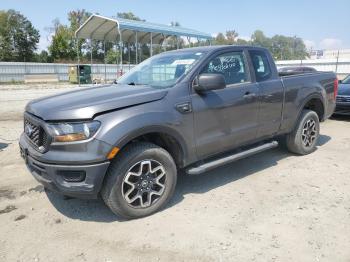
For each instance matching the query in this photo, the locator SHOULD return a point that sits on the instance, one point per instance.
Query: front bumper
(342, 109)
(76, 180)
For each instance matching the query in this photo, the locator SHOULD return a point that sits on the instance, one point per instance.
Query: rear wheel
(140, 181)
(304, 138)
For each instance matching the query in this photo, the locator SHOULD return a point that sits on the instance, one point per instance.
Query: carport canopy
(119, 30)
(107, 29)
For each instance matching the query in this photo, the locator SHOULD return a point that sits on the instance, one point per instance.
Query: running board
(228, 159)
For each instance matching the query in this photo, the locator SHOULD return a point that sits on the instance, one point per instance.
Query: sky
(322, 24)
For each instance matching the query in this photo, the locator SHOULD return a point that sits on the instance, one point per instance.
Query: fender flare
(155, 129)
(307, 100)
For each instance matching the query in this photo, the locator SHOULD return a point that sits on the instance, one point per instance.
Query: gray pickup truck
(192, 110)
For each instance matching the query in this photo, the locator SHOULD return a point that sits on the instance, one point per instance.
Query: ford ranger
(191, 110)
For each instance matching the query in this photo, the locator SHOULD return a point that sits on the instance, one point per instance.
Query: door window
(230, 65)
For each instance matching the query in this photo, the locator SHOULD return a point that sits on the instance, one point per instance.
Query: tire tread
(293, 142)
(115, 168)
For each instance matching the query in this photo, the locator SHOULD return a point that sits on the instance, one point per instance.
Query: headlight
(70, 132)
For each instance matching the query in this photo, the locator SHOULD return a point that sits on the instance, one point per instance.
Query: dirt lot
(270, 207)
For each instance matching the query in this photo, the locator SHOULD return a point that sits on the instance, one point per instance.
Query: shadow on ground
(95, 210)
(323, 139)
(345, 118)
(82, 209)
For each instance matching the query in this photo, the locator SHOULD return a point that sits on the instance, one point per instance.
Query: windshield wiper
(131, 84)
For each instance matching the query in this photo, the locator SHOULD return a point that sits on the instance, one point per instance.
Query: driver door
(226, 118)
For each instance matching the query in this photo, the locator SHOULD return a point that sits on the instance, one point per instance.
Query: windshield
(346, 80)
(161, 71)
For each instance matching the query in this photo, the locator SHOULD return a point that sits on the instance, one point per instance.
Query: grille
(36, 134)
(343, 99)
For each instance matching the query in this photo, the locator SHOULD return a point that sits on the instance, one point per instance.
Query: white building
(330, 54)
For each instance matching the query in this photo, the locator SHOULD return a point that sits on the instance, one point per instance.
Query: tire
(144, 172)
(303, 139)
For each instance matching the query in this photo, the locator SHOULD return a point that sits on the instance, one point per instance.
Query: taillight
(336, 83)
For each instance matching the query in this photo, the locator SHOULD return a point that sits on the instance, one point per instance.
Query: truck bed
(299, 86)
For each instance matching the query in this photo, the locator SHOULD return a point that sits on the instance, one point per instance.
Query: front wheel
(140, 181)
(303, 139)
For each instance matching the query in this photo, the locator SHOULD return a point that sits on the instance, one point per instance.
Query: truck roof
(217, 47)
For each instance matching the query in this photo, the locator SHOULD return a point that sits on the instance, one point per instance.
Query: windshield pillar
(151, 47)
(137, 48)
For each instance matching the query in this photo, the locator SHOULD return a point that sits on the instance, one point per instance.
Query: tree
(5, 38)
(241, 41)
(282, 47)
(62, 46)
(174, 23)
(112, 56)
(220, 39)
(18, 37)
(259, 39)
(130, 16)
(286, 48)
(77, 17)
(231, 37)
(42, 57)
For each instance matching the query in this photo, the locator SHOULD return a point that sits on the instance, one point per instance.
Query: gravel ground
(13, 98)
(270, 207)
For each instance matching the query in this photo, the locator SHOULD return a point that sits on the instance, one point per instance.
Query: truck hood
(344, 90)
(87, 102)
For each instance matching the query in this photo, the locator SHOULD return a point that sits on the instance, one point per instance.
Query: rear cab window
(261, 65)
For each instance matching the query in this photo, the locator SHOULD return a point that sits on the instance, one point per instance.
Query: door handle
(184, 107)
(249, 95)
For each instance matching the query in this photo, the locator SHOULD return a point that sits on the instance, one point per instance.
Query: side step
(225, 160)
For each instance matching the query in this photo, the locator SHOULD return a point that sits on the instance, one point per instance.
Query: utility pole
(294, 46)
(336, 64)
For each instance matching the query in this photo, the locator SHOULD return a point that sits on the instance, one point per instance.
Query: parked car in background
(343, 97)
(294, 70)
(193, 109)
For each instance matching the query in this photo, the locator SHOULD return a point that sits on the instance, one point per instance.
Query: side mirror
(340, 81)
(206, 82)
